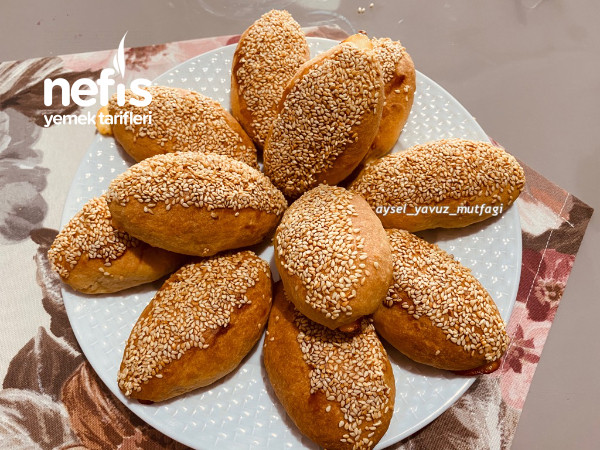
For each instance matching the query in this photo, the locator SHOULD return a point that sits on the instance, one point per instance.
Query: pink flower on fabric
(543, 280)
(519, 363)
(524, 352)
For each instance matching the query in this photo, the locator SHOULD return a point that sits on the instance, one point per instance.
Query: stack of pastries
(197, 199)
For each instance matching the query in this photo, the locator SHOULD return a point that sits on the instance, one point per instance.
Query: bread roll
(267, 56)
(338, 388)
(436, 312)
(195, 204)
(182, 121)
(198, 327)
(93, 257)
(333, 256)
(327, 119)
(399, 92)
(450, 183)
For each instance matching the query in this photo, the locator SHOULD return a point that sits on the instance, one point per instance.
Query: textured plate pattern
(241, 412)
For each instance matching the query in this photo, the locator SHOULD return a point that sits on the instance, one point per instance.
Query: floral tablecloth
(52, 398)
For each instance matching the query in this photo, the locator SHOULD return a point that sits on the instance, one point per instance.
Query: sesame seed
(188, 122)
(198, 180)
(194, 302)
(389, 53)
(314, 240)
(439, 288)
(90, 233)
(348, 369)
(318, 117)
(426, 174)
(272, 49)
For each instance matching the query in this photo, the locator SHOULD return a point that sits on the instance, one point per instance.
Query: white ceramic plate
(241, 410)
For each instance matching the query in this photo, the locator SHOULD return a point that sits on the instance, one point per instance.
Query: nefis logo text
(86, 87)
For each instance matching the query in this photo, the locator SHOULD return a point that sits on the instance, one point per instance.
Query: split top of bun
(320, 117)
(199, 180)
(185, 121)
(268, 55)
(90, 232)
(447, 293)
(191, 306)
(349, 368)
(445, 169)
(333, 256)
(337, 387)
(389, 53)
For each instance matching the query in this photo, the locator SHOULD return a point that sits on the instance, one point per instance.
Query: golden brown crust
(222, 347)
(290, 376)
(138, 265)
(427, 282)
(266, 58)
(399, 91)
(93, 257)
(325, 101)
(444, 175)
(194, 231)
(182, 120)
(195, 204)
(333, 257)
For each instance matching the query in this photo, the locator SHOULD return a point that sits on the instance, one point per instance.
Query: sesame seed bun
(449, 174)
(399, 91)
(93, 257)
(198, 327)
(322, 378)
(195, 204)
(267, 56)
(182, 120)
(333, 256)
(436, 312)
(327, 118)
